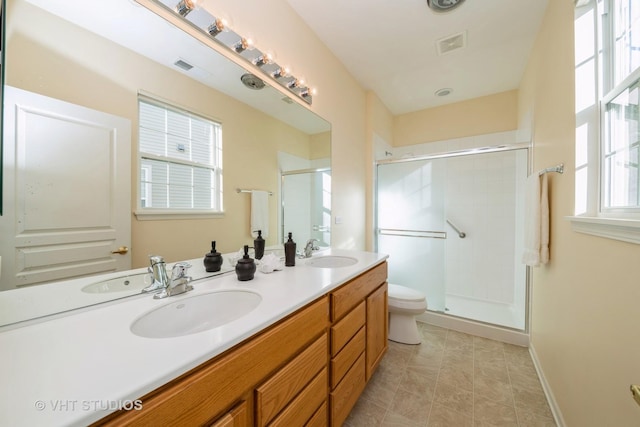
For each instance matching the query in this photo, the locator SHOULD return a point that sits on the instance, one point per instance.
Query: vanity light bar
(216, 29)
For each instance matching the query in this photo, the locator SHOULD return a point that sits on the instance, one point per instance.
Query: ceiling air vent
(182, 64)
(451, 43)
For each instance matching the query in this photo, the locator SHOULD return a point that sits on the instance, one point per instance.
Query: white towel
(259, 213)
(536, 238)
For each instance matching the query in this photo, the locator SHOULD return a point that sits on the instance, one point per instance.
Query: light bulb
(217, 27)
(185, 6)
(243, 45)
(263, 60)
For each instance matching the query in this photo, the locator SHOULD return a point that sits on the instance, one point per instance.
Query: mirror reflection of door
(306, 205)
(68, 174)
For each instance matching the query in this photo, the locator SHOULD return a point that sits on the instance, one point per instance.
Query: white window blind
(180, 159)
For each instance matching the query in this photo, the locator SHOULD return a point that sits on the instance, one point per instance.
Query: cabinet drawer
(346, 328)
(281, 388)
(350, 294)
(319, 419)
(345, 359)
(345, 396)
(304, 406)
(237, 417)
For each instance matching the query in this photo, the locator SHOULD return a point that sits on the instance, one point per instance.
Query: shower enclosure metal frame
(478, 327)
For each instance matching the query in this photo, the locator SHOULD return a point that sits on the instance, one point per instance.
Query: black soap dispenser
(213, 260)
(289, 252)
(258, 245)
(246, 267)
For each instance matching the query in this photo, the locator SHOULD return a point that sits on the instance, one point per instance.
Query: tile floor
(453, 380)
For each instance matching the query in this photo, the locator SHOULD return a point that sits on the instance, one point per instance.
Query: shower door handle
(413, 233)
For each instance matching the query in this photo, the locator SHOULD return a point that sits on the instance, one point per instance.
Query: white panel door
(67, 190)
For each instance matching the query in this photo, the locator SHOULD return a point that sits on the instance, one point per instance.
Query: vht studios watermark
(70, 405)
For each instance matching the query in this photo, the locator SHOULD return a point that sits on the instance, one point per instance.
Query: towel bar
(238, 190)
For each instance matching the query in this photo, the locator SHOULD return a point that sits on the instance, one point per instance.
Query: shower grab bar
(461, 234)
(413, 233)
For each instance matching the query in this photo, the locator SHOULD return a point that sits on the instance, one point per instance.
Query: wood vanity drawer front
(237, 417)
(350, 294)
(349, 354)
(345, 396)
(286, 384)
(319, 419)
(346, 328)
(304, 406)
(196, 397)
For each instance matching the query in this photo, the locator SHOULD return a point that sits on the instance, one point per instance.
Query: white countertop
(76, 369)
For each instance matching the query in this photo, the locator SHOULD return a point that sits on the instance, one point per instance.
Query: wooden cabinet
(237, 417)
(300, 387)
(358, 338)
(377, 328)
(308, 369)
(200, 397)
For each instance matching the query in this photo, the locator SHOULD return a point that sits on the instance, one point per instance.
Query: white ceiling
(389, 46)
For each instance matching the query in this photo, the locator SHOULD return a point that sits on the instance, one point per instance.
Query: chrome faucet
(178, 284)
(310, 247)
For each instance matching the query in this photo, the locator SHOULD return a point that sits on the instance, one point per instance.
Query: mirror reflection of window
(180, 159)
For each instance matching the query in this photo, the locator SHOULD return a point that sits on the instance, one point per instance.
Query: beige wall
(340, 100)
(478, 116)
(379, 126)
(73, 65)
(584, 302)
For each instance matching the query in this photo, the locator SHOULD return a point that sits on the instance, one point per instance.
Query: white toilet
(404, 304)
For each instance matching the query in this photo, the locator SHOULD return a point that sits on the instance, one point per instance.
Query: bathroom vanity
(302, 357)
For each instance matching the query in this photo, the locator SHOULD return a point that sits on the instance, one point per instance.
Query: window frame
(619, 223)
(147, 213)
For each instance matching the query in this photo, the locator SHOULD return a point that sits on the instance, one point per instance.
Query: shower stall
(452, 225)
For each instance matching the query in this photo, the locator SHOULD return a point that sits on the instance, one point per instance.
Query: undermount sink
(124, 283)
(195, 314)
(331, 261)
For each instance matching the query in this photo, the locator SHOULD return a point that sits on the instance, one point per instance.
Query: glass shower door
(424, 206)
(306, 206)
(411, 226)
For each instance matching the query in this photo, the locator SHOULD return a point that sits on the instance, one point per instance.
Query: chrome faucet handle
(310, 247)
(179, 282)
(179, 270)
(159, 272)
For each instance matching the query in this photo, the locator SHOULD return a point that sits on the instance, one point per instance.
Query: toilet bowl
(404, 304)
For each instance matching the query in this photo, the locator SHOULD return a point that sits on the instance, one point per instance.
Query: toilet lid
(402, 293)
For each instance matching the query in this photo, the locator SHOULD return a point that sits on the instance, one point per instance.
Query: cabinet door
(377, 328)
(237, 417)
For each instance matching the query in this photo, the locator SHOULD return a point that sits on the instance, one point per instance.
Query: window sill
(627, 230)
(164, 214)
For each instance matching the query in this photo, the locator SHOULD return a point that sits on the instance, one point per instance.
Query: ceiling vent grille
(451, 43)
(183, 64)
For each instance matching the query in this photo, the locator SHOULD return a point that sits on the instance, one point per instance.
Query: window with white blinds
(180, 160)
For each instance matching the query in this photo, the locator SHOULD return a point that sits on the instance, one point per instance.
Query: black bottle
(246, 267)
(290, 252)
(213, 260)
(258, 245)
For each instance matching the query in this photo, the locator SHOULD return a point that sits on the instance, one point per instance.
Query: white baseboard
(475, 328)
(555, 409)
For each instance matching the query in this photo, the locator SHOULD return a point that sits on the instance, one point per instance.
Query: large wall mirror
(102, 55)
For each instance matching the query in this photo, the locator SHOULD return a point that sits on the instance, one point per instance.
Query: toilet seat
(403, 298)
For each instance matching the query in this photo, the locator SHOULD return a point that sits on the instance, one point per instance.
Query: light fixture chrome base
(443, 5)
